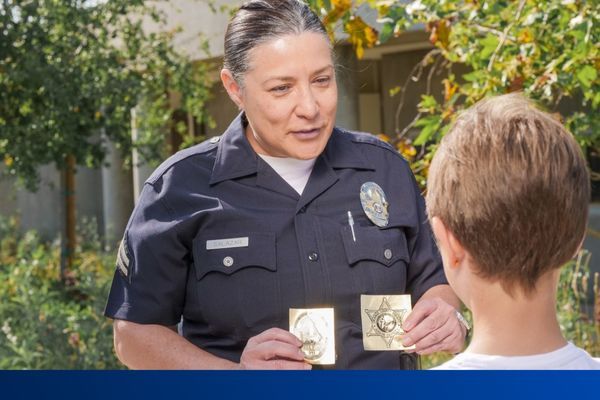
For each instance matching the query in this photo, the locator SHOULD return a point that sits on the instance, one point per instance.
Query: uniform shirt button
(387, 254)
(228, 261)
(313, 256)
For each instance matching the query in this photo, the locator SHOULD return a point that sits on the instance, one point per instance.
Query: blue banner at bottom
(371, 385)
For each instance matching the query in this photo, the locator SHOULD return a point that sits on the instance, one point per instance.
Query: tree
(70, 73)
(546, 48)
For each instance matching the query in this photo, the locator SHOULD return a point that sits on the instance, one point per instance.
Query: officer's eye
(323, 80)
(280, 89)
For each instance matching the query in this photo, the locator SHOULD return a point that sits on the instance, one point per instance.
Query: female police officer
(230, 234)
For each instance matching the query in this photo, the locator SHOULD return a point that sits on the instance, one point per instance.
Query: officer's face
(289, 95)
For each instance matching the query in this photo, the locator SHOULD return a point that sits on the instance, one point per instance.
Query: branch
(430, 76)
(411, 77)
(407, 127)
(505, 35)
(482, 28)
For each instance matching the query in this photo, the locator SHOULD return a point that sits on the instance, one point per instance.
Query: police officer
(229, 234)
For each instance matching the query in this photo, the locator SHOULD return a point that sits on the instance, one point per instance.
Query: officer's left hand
(432, 326)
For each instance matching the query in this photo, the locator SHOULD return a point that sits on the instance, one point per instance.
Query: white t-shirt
(294, 172)
(567, 357)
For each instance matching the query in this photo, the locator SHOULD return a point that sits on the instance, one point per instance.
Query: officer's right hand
(273, 349)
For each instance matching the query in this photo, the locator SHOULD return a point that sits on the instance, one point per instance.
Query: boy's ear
(448, 243)
(232, 87)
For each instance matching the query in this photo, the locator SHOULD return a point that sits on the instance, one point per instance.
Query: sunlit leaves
(361, 35)
(587, 75)
(547, 49)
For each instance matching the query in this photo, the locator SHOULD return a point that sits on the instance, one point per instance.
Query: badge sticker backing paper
(314, 327)
(382, 319)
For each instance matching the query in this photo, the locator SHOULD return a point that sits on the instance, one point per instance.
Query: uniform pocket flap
(384, 246)
(229, 255)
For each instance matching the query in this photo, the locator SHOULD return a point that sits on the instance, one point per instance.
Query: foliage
(549, 49)
(71, 72)
(575, 314)
(576, 317)
(46, 323)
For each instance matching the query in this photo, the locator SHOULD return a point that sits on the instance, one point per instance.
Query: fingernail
(307, 366)
(407, 325)
(406, 341)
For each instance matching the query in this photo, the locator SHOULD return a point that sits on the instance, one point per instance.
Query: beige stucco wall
(196, 17)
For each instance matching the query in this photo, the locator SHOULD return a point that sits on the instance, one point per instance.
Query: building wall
(197, 18)
(43, 210)
(8, 195)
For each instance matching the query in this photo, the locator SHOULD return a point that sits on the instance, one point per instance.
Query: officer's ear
(233, 88)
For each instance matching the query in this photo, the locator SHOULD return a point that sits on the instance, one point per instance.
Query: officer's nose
(308, 106)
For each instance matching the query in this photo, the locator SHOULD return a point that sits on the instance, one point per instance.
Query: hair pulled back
(258, 21)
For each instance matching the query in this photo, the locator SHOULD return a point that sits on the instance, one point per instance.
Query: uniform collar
(235, 157)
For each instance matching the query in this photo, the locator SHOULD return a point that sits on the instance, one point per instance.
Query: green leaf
(428, 103)
(489, 45)
(430, 126)
(474, 76)
(387, 31)
(587, 75)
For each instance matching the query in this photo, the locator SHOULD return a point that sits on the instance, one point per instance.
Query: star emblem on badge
(386, 322)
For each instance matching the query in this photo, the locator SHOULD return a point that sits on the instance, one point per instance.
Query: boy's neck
(518, 325)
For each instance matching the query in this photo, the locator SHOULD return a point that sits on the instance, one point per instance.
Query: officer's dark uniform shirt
(299, 251)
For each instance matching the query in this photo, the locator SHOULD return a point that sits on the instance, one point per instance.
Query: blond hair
(511, 183)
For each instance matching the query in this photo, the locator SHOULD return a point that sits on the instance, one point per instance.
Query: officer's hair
(511, 183)
(258, 21)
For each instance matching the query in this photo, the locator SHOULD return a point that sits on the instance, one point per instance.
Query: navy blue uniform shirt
(288, 250)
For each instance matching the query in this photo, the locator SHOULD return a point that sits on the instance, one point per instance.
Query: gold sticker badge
(374, 203)
(314, 327)
(382, 319)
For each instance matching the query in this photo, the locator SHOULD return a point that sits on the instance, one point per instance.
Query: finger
(274, 349)
(421, 310)
(452, 344)
(278, 335)
(426, 326)
(435, 338)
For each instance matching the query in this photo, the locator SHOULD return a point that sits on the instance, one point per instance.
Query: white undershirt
(567, 357)
(294, 172)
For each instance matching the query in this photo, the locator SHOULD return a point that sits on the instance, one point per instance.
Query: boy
(507, 199)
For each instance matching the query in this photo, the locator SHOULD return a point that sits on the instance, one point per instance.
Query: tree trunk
(69, 246)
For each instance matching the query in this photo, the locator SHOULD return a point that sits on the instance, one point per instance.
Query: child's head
(510, 184)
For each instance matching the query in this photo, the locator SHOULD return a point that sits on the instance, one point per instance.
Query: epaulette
(368, 138)
(201, 148)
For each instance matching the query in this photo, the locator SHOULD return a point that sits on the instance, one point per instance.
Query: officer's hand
(273, 349)
(432, 326)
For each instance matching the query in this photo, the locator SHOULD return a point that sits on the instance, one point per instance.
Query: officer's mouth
(306, 134)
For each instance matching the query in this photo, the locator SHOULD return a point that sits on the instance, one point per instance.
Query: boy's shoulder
(567, 357)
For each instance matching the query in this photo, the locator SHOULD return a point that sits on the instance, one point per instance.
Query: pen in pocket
(351, 223)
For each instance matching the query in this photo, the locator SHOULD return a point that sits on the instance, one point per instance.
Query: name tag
(227, 243)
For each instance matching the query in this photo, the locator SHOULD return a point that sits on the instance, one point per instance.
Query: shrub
(48, 323)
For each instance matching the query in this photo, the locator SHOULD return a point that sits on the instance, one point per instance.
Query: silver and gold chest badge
(374, 203)
(382, 319)
(314, 327)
